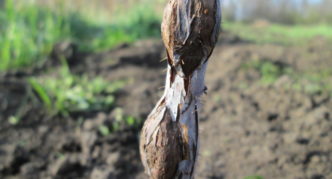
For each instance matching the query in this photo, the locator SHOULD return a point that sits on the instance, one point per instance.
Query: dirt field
(247, 128)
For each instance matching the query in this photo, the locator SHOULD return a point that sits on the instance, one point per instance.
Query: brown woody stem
(169, 139)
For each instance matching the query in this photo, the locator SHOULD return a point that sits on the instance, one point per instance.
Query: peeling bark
(169, 138)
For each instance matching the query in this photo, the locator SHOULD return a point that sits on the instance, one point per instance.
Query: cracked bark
(169, 137)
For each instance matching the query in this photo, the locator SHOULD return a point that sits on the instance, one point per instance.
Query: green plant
(121, 121)
(104, 130)
(254, 177)
(279, 34)
(268, 70)
(14, 120)
(68, 93)
(41, 91)
(312, 82)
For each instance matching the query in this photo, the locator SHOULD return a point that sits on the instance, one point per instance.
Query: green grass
(311, 82)
(279, 34)
(28, 31)
(67, 93)
(27, 34)
(119, 123)
(269, 71)
(254, 177)
(138, 23)
(64, 94)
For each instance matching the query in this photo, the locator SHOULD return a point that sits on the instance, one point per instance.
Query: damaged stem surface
(169, 138)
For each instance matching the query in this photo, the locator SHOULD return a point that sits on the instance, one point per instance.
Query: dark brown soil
(247, 128)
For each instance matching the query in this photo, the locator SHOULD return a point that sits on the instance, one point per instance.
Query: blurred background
(78, 78)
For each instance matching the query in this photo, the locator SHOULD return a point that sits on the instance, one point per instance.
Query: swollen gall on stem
(169, 137)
